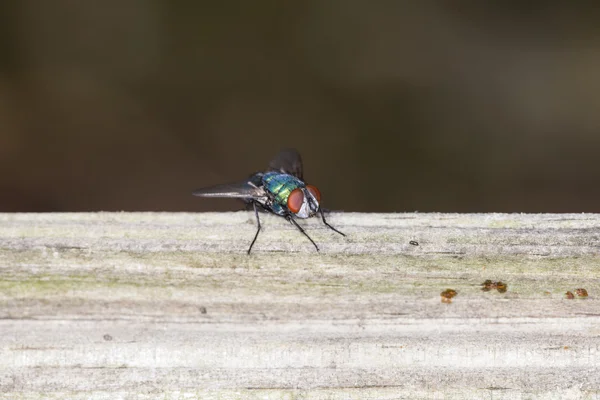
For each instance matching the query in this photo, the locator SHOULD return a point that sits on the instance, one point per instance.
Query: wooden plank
(168, 305)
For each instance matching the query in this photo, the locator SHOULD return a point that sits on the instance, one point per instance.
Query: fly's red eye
(295, 200)
(315, 192)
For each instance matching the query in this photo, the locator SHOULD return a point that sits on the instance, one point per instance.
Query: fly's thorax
(279, 186)
(304, 201)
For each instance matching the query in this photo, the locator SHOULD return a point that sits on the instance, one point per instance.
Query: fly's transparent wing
(243, 190)
(288, 161)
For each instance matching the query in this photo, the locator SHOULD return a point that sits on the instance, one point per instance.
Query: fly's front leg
(293, 222)
(329, 226)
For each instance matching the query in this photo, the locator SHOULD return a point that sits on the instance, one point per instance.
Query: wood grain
(168, 305)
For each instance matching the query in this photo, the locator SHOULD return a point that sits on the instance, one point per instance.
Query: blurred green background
(465, 106)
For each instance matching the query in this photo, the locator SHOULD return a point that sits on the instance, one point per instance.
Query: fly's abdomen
(280, 186)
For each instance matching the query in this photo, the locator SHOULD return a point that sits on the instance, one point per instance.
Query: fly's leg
(329, 226)
(258, 230)
(289, 218)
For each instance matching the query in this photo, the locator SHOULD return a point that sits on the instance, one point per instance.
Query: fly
(280, 190)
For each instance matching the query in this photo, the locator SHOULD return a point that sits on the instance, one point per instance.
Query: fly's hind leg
(258, 230)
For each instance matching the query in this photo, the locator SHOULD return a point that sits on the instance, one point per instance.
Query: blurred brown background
(395, 105)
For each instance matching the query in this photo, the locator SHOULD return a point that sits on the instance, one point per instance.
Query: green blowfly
(280, 190)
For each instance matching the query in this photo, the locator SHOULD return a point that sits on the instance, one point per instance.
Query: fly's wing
(243, 190)
(288, 161)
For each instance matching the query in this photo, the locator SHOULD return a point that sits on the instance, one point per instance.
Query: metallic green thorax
(280, 186)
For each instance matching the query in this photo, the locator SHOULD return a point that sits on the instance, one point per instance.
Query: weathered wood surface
(169, 306)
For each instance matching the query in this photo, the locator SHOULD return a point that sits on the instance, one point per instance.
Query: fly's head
(304, 202)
